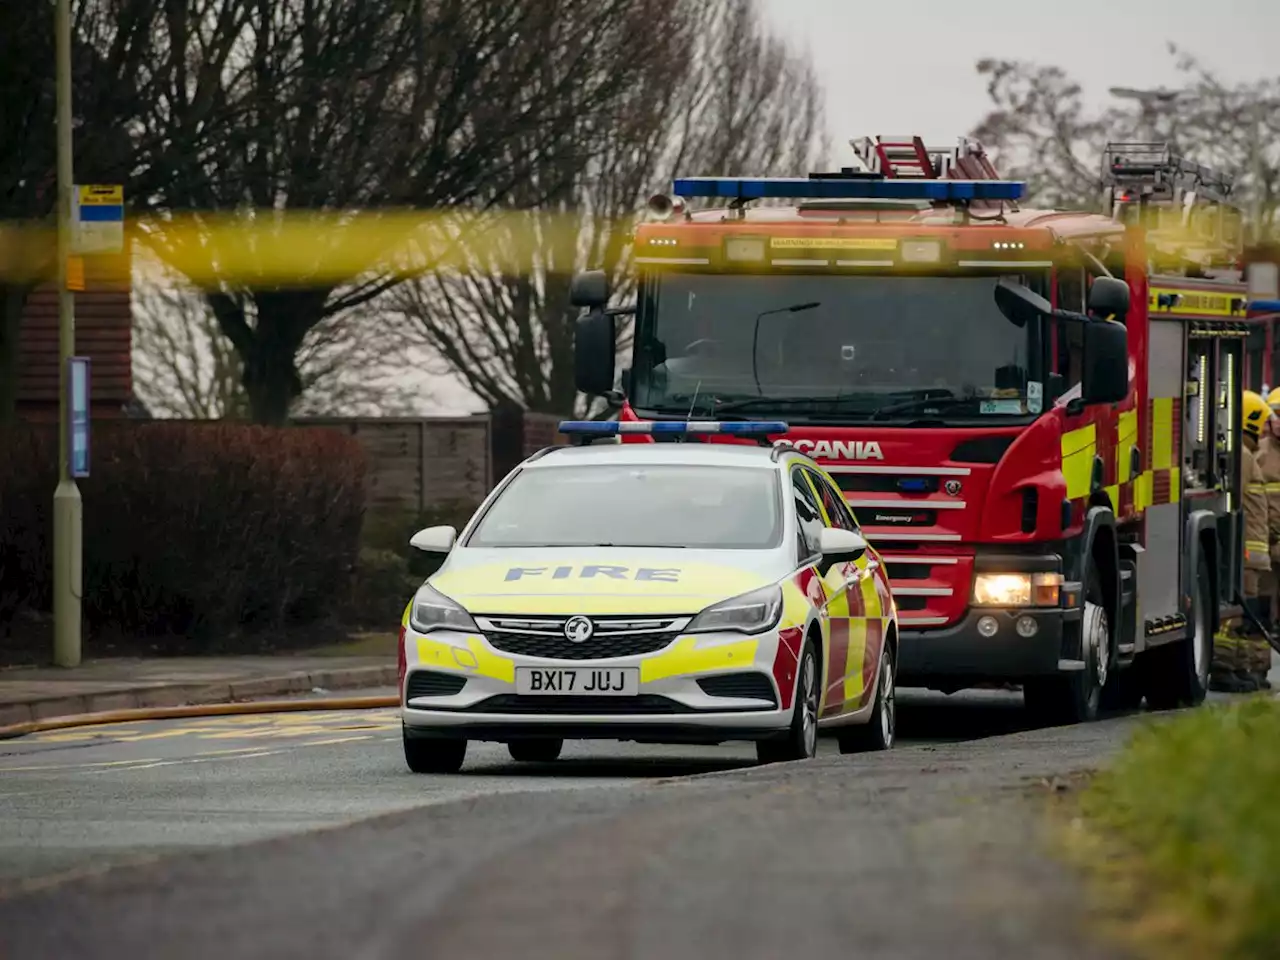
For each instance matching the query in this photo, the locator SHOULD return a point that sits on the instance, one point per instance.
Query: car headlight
(750, 613)
(1016, 589)
(432, 610)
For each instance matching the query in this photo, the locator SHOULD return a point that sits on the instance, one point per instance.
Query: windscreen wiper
(916, 403)
(778, 401)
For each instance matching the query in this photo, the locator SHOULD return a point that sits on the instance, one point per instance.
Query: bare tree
(113, 42)
(369, 104)
(184, 366)
(723, 97)
(1041, 130)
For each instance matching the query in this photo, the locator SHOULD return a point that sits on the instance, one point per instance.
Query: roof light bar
(606, 428)
(1264, 306)
(796, 188)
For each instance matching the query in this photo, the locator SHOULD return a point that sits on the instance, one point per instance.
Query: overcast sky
(907, 67)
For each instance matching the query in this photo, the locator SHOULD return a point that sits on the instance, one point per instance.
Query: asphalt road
(311, 839)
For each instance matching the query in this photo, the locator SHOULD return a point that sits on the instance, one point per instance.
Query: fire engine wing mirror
(589, 289)
(1108, 298)
(594, 353)
(1020, 304)
(1105, 376)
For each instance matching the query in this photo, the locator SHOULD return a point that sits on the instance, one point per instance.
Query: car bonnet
(601, 581)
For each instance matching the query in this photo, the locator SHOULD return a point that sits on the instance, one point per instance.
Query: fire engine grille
(613, 637)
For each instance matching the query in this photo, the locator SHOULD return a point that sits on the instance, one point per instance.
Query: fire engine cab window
(813, 346)
(808, 515)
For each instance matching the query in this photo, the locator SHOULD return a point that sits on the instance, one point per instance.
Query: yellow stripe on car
(474, 658)
(686, 657)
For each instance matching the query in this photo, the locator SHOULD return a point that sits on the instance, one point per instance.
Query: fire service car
(668, 593)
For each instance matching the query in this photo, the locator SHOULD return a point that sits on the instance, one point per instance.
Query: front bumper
(460, 685)
(961, 655)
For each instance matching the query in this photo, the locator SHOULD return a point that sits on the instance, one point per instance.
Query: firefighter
(1235, 658)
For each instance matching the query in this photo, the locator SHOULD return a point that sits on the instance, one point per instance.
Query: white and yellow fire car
(684, 592)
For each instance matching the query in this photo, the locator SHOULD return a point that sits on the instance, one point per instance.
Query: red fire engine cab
(1033, 413)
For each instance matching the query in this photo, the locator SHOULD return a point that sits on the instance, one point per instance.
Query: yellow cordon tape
(195, 710)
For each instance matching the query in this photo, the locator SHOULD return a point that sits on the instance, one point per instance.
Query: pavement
(34, 694)
(303, 835)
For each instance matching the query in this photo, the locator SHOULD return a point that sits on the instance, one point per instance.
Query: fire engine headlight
(1016, 589)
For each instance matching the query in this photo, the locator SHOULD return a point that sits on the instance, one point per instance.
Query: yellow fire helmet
(1273, 398)
(1256, 412)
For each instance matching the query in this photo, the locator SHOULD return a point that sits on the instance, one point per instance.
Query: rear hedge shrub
(189, 528)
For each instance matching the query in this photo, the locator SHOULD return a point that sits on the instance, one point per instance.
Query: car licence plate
(592, 681)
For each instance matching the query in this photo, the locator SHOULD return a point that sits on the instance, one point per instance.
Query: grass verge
(1182, 835)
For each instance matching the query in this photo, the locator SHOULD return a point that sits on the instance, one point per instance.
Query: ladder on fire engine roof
(909, 158)
(901, 157)
(1186, 206)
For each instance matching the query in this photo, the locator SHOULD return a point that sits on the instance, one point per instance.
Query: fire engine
(1034, 413)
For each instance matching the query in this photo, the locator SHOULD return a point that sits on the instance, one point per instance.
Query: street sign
(97, 219)
(78, 434)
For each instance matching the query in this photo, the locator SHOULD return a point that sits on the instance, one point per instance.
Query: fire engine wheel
(1075, 697)
(1177, 675)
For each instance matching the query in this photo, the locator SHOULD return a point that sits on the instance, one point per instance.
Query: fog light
(1027, 626)
(987, 626)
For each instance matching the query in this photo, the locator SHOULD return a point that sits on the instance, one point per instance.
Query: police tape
(313, 248)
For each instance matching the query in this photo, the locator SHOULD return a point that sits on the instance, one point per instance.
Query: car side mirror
(840, 546)
(1105, 378)
(1108, 299)
(590, 288)
(594, 353)
(434, 539)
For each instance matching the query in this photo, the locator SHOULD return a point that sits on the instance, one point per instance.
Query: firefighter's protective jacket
(1269, 463)
(1257, 532)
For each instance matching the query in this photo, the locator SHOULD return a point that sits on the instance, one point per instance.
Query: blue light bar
(608, 428)
(797, 188)
(1264, 306)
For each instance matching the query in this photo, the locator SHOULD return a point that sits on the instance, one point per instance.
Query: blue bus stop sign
(78, 434)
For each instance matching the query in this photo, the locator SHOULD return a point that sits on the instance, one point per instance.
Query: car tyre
(801, 739)
(431, 755)
(1177, 674)
(535, 751)
(881, 729)
(1076, 697)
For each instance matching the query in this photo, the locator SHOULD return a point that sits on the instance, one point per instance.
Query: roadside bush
(391, 530)
(189, 528)
(1189, 818)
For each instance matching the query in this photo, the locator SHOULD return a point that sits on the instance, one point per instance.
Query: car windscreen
(660, 505)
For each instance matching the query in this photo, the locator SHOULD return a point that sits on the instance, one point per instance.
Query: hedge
(189, 528)
(1183, 832)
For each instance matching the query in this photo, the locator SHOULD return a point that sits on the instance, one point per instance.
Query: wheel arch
(1102, 550)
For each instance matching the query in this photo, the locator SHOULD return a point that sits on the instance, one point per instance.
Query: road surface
(303, 835)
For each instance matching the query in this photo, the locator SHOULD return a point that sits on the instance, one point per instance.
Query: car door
(863, 590)
(809, 526)
(835, 601)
